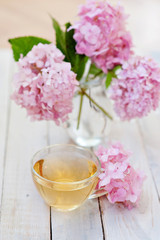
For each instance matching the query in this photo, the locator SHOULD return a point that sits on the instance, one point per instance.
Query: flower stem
(80, 110)
(96, 104)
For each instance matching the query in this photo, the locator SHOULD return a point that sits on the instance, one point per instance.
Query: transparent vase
(94, 125)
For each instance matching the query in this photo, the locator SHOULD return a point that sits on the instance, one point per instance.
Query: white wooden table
(24, 215)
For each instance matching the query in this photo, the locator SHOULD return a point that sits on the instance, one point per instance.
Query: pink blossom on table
(126, 190)
(121, 181)
(136, 91)
(45, 84)
(114, 161)
(101, 34)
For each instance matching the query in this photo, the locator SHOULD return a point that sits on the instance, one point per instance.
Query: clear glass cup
(66, 175)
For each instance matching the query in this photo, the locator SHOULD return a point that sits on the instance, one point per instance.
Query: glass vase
(94, 125)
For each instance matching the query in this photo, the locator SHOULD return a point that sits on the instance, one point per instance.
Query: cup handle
(98, 193)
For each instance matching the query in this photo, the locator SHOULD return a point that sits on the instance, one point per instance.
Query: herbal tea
(63, 191)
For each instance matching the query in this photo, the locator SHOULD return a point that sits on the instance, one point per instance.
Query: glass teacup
(65, 175)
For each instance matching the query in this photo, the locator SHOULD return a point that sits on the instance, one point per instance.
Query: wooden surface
(24, 215)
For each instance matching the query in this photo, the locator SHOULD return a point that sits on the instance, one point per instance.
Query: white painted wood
(143, 222)
(24, 215)
(83, 223)
(150, 130)
(57, 134)
(5, 64)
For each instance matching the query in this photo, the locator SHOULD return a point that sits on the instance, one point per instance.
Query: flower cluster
(136, 91)
(101, 34)
(119, 178)
(45, 84)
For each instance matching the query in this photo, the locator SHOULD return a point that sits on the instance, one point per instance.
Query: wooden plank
(142, 222)
(150, 130)
(57, 134)
(5, 61)
(24, 215)
(81, 224)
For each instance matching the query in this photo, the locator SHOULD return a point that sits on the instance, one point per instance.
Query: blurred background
(31, 17)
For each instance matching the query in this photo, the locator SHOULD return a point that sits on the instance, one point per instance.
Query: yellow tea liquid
(65, 193)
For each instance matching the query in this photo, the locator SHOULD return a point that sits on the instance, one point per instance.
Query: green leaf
(70, 44)
(66, 43)
(22, 45)
(94, 70)
(115, 69)
(111, 74)
(79, 67)
(60, 38)
(108, 79)
(77, 61)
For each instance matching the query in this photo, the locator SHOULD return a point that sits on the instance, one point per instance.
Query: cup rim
(66, 183)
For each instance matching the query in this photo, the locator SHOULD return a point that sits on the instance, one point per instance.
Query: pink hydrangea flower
(118, 178)
(45, 84)
(101, 34)
(136, 91)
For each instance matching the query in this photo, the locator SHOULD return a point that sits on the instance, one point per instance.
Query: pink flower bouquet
(49, 75)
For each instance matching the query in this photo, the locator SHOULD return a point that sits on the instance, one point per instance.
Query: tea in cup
(65, 175)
